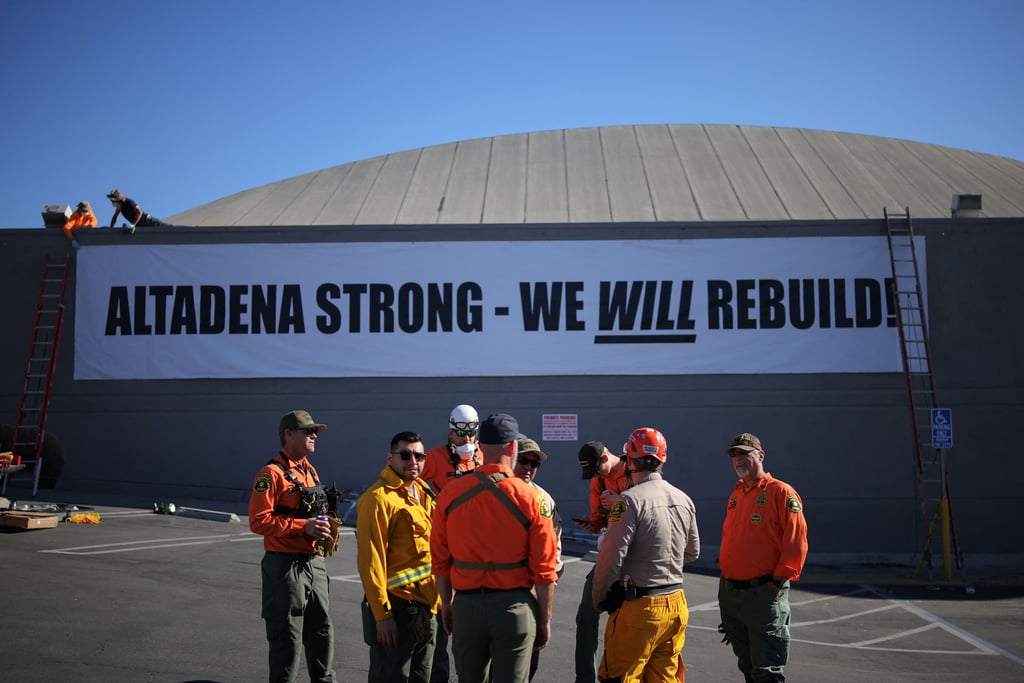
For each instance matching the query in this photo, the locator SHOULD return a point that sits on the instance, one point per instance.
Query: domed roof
(631, 174)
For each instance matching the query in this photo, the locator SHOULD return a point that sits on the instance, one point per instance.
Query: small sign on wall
(560, 427)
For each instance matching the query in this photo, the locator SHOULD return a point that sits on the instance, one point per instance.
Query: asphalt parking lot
(175, 598)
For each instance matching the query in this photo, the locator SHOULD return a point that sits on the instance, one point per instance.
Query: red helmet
(647, 442)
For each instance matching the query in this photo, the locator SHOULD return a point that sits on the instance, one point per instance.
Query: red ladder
(30, 427)
(915, 348)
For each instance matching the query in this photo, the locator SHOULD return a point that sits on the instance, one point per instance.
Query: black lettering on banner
(330, 322)
(145, 312)
(381, 301)
(539, 306)
(823, 302)
(160, 295)
(719, 305)
(801, 304)
(119, 314)
(264, 309)
(410, 307)
(436, 307)
(292, 319)
(355, 310)
(745, 304)
(867, 301)
(771, 311)
(843, 320)
(621, 301)
(619, 305)
(183, 313)
(211, 309)
(470, 316)
(140, 328)
(238, 307)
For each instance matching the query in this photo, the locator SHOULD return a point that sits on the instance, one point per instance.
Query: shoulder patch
(615, 514)
(545, 511)
(262, 484)
(732, 503)
(793, 503)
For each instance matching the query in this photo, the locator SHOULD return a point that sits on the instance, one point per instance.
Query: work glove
(725, 636)
(326, 547)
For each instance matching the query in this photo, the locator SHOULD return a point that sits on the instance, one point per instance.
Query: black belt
(294, 556)
(654, 591)
(743, 584)
(484, 590)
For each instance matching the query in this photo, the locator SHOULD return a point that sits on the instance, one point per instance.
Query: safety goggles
(407, 454)
(471, 426)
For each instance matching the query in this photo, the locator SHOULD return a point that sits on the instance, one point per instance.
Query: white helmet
(464, 417)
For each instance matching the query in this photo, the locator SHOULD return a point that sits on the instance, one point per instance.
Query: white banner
(434, 309)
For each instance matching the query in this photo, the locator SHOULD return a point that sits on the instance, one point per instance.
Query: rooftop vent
(966, 206)
(55, 215)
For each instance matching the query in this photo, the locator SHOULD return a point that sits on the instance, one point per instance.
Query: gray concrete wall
(843, 440)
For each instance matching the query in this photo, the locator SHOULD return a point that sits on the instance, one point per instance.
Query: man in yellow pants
(652, 533)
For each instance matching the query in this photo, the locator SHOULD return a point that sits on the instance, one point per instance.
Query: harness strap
(490, 483)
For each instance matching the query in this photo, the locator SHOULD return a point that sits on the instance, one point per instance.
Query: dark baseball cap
(590, 456)
(299, 419)
(745, 441)
(499, 428)
(528, 445)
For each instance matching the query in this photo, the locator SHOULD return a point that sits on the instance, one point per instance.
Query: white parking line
(148, 544)
(958, 632)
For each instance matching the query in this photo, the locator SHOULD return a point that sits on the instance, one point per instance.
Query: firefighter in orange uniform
(459, 455)
(444, 464)
(607, 475)
(492, 541)
(287, 508)
(764, 545)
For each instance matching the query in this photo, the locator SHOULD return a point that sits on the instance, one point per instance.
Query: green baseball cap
(299, 419)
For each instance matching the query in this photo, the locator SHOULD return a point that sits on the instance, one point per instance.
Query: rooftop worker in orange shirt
(444, 464)
(652, 534)
(393, 539)
(764, 545)
(81, 217)
(131, 212)
(492, 542)
(607, 475)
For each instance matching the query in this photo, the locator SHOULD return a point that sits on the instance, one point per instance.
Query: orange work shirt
(481, 543)
(438, 469)
(616, 483)
(79, 220)
(764, 532)
(282, 532)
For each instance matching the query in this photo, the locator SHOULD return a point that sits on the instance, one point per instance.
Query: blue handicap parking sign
(942, 428)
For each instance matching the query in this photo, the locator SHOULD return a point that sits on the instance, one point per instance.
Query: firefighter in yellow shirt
(393, 541)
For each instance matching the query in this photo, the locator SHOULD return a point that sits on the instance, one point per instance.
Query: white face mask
(466, 451)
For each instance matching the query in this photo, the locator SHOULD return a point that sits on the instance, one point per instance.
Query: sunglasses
(309, 431)
(407, 454)
(465, 432)
(532, 464)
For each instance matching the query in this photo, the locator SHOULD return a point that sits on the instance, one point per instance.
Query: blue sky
(181, 103)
